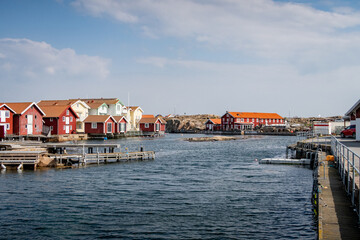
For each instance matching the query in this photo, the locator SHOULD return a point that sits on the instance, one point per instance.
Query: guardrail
(348, 166)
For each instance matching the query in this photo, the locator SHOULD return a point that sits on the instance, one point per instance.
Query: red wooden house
(6, 120)
(354, 114)
(60, 119)
(151, 125)
(28, 118)
(213, 124)
(249, 120)
(121, 124)
(100, 124)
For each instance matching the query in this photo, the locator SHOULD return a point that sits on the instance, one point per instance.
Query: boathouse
(354, 115)
(121, 124)
(28, 118)
(213, 124)
(249, 120)
(150, 125)
(6, 120)
(79, 106)
(100, 124)
(60, 119)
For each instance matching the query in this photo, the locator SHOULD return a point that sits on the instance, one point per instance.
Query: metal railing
(348, 166)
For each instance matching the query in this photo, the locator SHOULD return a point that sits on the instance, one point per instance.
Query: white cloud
(35, 65)
(263, 28)
(39, 60)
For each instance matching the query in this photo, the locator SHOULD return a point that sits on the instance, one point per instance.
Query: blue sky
(297, 58)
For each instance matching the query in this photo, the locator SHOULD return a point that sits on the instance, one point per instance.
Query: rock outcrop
(188, 123)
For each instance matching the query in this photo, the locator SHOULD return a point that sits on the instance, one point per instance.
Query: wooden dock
(63, 160)
(62, 155)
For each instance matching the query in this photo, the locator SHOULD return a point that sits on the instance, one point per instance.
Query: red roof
(21, 107)
(151, 119)
(56, 111)
(118, 118)
(255, 115)
(215, 120)
(98, 118)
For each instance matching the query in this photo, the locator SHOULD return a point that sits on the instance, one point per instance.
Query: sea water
(192, 190)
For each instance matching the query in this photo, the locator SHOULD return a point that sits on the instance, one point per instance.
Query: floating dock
(286, 161)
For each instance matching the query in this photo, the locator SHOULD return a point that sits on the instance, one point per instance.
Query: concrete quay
(336, 186)
(336, 217)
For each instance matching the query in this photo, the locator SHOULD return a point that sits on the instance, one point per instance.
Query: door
(29, 124)
(2, 116)
(67, 129)
(2, 131)
(109, 127)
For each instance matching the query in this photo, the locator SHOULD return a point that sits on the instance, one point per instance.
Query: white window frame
(71, 118)
(146, 125)
(67, 112)
(51, 119)
(7, 114)
(51, 128)
(63, 118)
(94, 125)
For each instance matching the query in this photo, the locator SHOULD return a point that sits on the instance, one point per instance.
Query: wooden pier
(69, 160)
(61, 155)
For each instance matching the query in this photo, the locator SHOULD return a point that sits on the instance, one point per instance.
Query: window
(63, 118)
(247, 119)
(35, 116)
(7, 114)
(25, 116)
(70, 127)
(253, 120)
(64, 127)
(51, 119)
(71, 119)
(7, 126)
(157, 127)
(25, 126)
(118, 108)
(67, 112)
(146, 125)
(242, 120)
(35, 126)
(51, 128)
(93, 125)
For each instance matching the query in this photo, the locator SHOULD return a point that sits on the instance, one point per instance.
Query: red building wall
(110, 120)
(20, 122)
(9, 121)
(152, 127)
(98, 130)
(62, 122)
(53, 124)
(117, 126)
(228, 121)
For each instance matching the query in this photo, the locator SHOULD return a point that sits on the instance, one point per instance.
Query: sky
(295, 58)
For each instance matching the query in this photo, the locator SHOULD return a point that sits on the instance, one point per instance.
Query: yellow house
(80, 107)
(134, 115)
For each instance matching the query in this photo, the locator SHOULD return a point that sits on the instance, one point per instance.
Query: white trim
(30, 107)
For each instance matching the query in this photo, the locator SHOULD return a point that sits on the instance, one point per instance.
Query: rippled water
(207, 190)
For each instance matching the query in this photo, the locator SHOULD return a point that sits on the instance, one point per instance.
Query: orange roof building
(249, 120)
